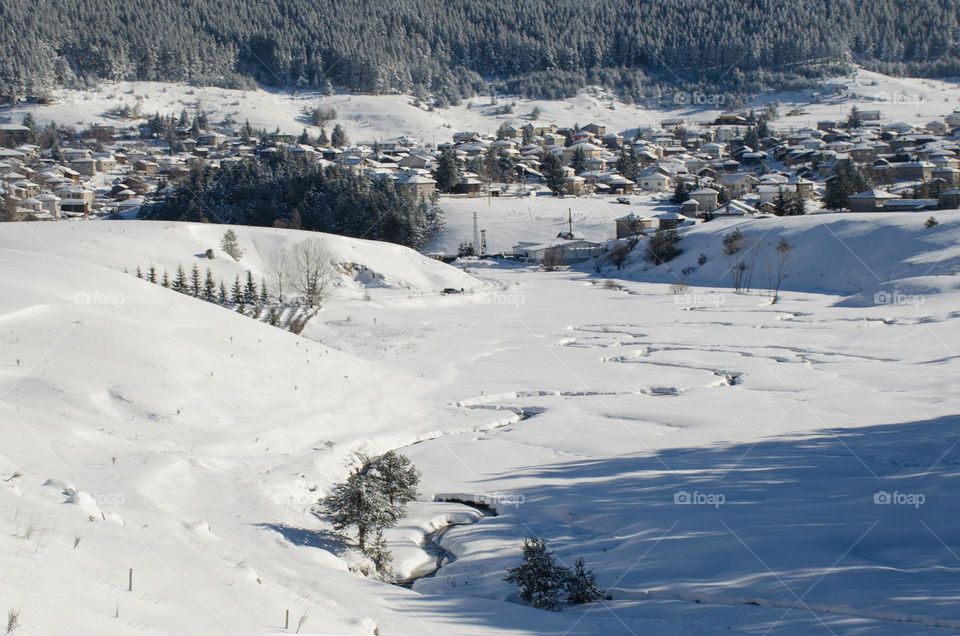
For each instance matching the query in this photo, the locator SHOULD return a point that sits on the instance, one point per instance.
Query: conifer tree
(264, 293)
(250, 294)
(338, 138)
(447, 173)
(359, 503)
(553, 174)
(396, 477)
(578, 161)
(222, 293)
(195, 283)
(236, 292)
(538, 577)
(209, 287)
(581, 584)
(152, 273)
(180, 282)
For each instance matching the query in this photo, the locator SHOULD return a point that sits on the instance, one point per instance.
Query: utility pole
(570, 221)
(476, 235)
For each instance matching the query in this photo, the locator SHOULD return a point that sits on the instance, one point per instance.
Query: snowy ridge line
(800, 605)
(481, 401)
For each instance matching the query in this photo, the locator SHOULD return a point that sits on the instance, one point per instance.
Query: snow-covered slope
(846, 254)
(124, 245)
(145, 429)
(377, 117)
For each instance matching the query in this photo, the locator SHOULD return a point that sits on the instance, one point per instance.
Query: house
(770, 193)
(468, 186)
(668, 220)
(12, 135)
(733, 207)
(417, 162)
(949, 199)
(914, 170)
(690, 208)
(706, 198)
(655, 181)
(631, 225)
(560, 252)
(419, 185)
(619, 184)
(740, 182)
(870, 201)
(574, 185)
(596, 130)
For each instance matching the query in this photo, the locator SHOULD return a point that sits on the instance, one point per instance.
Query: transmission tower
(476, 235)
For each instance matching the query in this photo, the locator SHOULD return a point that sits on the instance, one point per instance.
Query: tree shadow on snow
(323, 539)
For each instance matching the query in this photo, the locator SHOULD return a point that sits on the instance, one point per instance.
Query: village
(674, 175)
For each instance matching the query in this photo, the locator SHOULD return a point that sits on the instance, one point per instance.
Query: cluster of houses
(723, 167)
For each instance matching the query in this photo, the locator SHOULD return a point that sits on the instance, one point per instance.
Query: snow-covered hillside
(724, 465)
(379, 117)
(863, 254)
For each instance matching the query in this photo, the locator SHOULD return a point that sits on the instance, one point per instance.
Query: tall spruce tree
(553, 174)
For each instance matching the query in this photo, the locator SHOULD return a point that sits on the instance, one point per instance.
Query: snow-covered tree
(397, 477)
(360, 503)
(180, 283)
(236, 292)
(539, 579)
(195, 281)
(230, 245)
(581, 585)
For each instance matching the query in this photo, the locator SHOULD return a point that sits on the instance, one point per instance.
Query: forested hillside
(449, 49)
(285, 192)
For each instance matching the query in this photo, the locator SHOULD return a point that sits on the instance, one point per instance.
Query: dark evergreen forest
(288, 192)
(449, 49)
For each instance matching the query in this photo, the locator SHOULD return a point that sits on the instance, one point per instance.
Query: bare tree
(552, 259)
(742, 257)
(312, 270)
(280, 269)
(781, 269)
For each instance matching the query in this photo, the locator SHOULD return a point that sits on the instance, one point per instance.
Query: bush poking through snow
(13, 620)
(931, 222)
(663, 246)
(538, 577)
(582, 584)
(540, 580)
(229, 245)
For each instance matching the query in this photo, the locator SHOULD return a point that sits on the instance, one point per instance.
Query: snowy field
(724, 464)
(368, 118)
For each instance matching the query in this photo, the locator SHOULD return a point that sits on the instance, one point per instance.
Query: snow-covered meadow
(724, 464)
(369, 118)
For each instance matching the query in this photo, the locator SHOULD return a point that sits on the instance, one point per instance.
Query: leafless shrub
(679, 288)
(312, 269)
(13, 620)
(279, 267)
